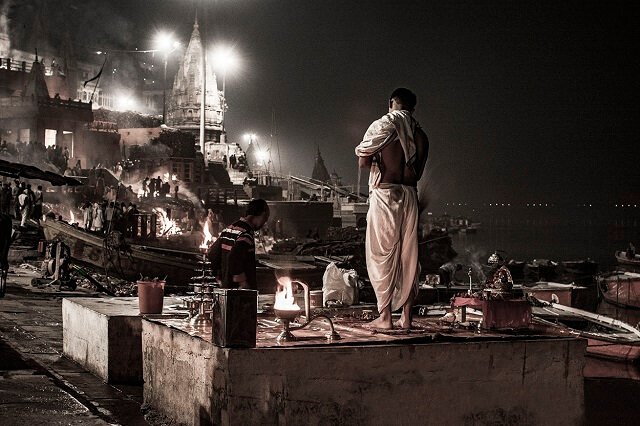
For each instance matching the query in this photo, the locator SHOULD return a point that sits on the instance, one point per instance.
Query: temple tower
(183, 109)
(319, 169)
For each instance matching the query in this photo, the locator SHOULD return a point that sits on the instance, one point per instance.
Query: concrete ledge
(103, 335)
(491, 382)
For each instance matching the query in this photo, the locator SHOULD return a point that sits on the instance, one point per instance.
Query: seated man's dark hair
(405, 97)
(256, 207)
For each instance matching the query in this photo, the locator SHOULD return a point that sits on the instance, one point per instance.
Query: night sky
(522, 101)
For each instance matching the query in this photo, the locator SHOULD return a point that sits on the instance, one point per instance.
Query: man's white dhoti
(392, 243)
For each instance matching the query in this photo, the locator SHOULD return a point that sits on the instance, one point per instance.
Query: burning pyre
(166, 225)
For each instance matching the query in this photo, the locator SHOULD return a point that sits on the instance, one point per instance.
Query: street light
(167, 45)
(224, 60)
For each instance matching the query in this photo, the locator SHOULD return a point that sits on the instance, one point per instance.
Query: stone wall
(491, 382)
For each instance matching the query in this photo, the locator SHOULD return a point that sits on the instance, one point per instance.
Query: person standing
(5, 198)
(98, 218)
(395, 149)
(15, 191)
(152, 187)
(24, 201)
(87, 216)
(67, 156)
(233, 254)
(37, 204)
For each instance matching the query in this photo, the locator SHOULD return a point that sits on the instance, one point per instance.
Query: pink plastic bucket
(150, 296)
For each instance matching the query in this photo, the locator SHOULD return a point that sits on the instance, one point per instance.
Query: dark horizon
(521, 101)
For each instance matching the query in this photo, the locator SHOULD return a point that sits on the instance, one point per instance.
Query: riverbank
(38, 385)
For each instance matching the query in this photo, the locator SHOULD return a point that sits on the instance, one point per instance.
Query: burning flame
(73, 218)
(284, 296)
(208, 237)
(166, 226)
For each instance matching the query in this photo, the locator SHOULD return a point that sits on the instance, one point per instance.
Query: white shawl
(395, 124)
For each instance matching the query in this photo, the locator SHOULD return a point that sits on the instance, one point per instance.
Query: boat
(126, 261)
(565, 294)
(131, 260)
(606, 337)
(620, 288)
(623, 259)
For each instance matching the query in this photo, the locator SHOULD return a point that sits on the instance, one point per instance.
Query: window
(50, 137)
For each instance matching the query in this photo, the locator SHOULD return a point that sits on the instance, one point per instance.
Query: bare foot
(380, 323)
(402, 324)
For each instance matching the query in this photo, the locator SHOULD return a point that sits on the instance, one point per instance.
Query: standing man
(66, 155)
(233, 255)
(395, 149)
(37, 204)
(5, 198)
(24, 201)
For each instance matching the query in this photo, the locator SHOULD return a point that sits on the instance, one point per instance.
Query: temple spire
(319, 169)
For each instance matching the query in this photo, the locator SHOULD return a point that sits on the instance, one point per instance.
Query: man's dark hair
(405, 97)
(257, 207)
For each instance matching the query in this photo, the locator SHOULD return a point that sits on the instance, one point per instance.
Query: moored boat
(606, 337)
(127, 261)
(623, 259)
(620, 288)
(565, 294)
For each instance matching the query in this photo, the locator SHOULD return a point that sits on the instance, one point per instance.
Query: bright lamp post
(167, 45)
(225, 60)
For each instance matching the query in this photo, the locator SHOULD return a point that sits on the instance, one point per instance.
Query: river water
(555, 233)
(567, 233)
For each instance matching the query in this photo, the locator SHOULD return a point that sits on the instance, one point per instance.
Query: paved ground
(37, 384)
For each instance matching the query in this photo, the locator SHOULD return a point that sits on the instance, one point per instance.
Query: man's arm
(364, 162)
(238, 261)
(214, 253)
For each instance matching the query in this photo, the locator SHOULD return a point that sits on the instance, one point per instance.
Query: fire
(166, 226)
(285, 300)
(208, 237)
(73, 218)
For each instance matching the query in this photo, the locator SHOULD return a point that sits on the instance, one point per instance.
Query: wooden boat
(126, 261)
(606, 337)
(621, 257)
(132, 260)
(565, 294)
(620, 288)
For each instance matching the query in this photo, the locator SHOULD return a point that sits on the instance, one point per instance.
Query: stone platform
(423, 377)
(103, 335)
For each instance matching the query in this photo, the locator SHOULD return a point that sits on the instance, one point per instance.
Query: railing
(223, 196)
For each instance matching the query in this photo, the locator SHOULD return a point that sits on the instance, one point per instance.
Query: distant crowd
(156, 187)
(104, 217)
(27, 151)
(21, 202)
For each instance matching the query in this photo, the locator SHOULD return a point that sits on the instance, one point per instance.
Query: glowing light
(165, 42)
(125, 103)
(285, 301)
(262, 156)
(208, 237)
(225, 59)
(73, 218)
(166, 226)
